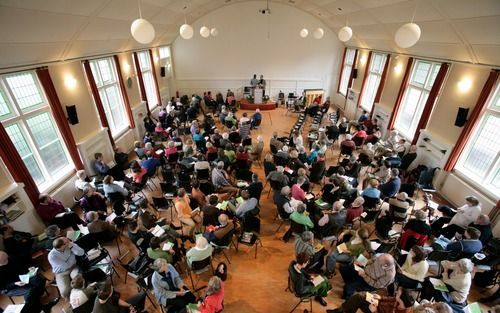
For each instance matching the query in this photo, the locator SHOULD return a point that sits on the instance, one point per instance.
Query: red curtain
(401, 93)
(154, 76)
(349, 85)
(97, 100)
(58, 113)
(141, 81)
(431, 100)
(341, 69)
(488, 88)
(381, 84)
(124, 92)
(367, 70)
(16, 166)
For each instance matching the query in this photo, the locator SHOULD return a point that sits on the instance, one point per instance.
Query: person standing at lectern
(262, 84)
(253, 82)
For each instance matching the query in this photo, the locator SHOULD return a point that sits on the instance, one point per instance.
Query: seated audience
(185, 213)
(457, 275)
(210, 211)
(391, 187)
(355, 210)
(416, 231)
(93, 201)
(109, 186)
(62, 259)
(303, 282)
(98, 226)
(103, 169)
(414, 268)
(53, 212)
(108, 300)
(168, 287)
(300, 217)
(79, 293)
(32, 291)
(200, 251)
(458, 219)
(225, 227)
(372, 190)
(221, 182)
(197, 194)
(469, 245)
(483, 224)
(305, 244)
(357, 243)
(155, 250)
(378, 273)
(137, 232)
(213, 301)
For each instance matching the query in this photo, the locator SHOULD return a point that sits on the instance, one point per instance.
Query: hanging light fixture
(214, 32)
(142, 30)
(345, 33)
(204, 31)
(304, 32)
(318, 33)
(408, 34)
(186, 31)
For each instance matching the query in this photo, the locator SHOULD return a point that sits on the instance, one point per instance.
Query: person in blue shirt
(256, 118)
(391, 187)
(150, 163)
(469, 245)
(372, 191)
(313, 155)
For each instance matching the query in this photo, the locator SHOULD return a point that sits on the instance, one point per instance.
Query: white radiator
(351, 104)
(126, 141)
(139, 112)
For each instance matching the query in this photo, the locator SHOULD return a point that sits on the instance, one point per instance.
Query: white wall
(243, 48)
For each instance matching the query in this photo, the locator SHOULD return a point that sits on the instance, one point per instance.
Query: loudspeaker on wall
(72, 115)
(162, 71)
(355, 73)
(461, 117)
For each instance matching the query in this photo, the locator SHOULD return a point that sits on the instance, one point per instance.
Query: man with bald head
(378, 273)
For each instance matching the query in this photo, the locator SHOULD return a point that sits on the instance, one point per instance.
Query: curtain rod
(392, 53)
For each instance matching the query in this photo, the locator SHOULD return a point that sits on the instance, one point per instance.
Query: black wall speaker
(461, 117)
(72, 115)
(354, 73)
(162, 71)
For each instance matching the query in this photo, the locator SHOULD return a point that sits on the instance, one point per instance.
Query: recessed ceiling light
(291, 1)
(340, 9)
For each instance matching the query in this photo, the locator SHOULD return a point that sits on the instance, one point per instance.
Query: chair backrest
(345, 150)
(275, 185)
(437, 255)
(370, 202)
(87, 307)
(211, 156)
(226, 240)
(247, 142)
(172, 158)
(296, 227)
(202, 264)
(160, 202)
(115, 197)
(167, 188)
(274, 150)
(203, 174)
(358, 141)
(242, 164)
(87, 242)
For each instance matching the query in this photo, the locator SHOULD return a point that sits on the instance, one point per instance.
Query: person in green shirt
(200, 252)
(155, 251)
(301, 217)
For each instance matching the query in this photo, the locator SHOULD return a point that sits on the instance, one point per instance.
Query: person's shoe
(329, 274)
(337, 310)
(47, 308)
(320, 300)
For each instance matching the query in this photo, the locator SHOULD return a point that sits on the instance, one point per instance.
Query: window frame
(147, 71)
(484, 183)
(20, 117)
(102, 87)
(424, 90)
(347, 67)
(377, 74)
(160, 52)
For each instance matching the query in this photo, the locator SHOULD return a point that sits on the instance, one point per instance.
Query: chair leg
(300, 301)
(191, 277)
(225, 255)
(152, 302)
(12, 300)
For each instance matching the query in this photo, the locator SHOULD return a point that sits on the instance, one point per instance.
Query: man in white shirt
(458, 219)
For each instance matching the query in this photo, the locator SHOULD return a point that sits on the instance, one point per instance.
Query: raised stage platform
(266, 106)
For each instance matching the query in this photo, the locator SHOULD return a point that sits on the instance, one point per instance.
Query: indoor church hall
(249, 156)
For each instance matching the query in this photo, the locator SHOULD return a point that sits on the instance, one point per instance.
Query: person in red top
(297, 192)
(137, 172)
(214, 297)
(53, 212)
(355, 210)
(348, 143)
(171, 149)
(242, 154)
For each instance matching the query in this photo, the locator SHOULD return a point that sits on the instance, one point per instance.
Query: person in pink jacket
(214, 299)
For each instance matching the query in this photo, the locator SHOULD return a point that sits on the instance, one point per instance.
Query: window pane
(115, 111)
(48, 142)
(4, 107)
(496, 179)
(106, 71)
(19, 141)
(149, 84)
(346, 73)
(370, 92)
(24, 90)
(42, 129)
(164, 52)
(435, 71)
(376, 63)
(144, 60)
(484, 149)
(420, 73)
(495, 103)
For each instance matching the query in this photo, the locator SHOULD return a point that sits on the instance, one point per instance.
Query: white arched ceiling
(40, 31)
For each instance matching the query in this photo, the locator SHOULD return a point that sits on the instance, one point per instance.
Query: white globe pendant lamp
(304, 32)
(345, 33)
(214, 32)
(142, 30)
(407, 35)
(186, 31)
(318, 33)
(204, 31)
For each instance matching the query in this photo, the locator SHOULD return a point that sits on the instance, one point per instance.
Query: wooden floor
(253, 285)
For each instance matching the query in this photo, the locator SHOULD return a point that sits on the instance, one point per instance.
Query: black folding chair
(303, 298)
(199, 267)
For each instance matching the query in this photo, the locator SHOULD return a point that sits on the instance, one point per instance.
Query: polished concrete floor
(254, 284)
